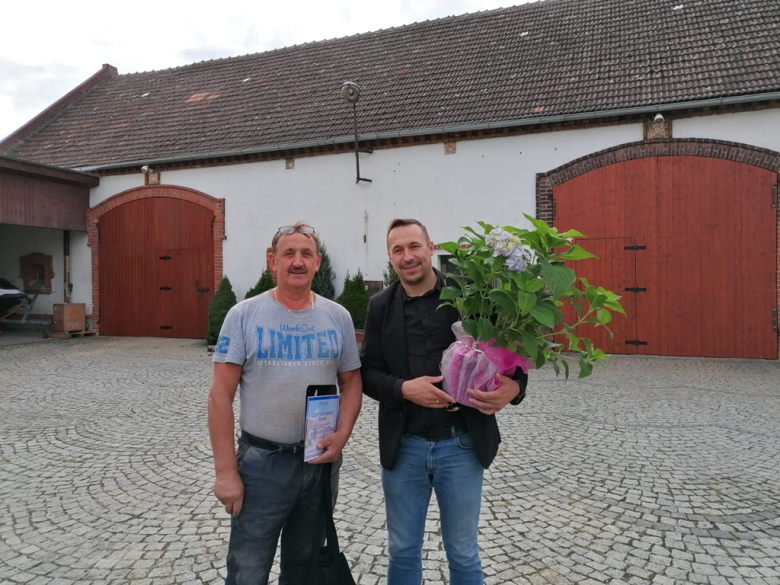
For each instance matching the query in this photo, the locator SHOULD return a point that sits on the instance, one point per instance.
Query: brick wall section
(27, 270)
(217, 206)
(754, 156)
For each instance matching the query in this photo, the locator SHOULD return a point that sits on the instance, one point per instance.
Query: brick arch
(217, 206)
(743, 153)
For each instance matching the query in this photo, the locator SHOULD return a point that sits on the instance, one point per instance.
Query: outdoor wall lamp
(351, 93)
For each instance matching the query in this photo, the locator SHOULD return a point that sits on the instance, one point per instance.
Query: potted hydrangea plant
(511, 287)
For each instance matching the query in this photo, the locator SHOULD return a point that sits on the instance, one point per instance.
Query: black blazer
(385, 368)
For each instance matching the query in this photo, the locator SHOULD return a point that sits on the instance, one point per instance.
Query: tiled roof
(535, 60)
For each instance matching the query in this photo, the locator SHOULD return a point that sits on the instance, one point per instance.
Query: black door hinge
(635, 342)
(165, 257)
(775, 190)
(636, 289)
(165, 288)
(635, 248)
(165, 327)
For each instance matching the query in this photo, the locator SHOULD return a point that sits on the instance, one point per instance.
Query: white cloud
(48, 47)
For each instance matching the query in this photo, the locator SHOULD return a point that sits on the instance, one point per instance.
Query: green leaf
(540, 360)
(604, 316)
(588, 345)
(526, 302)
(485, 330)
(530, 344)
(572, 234)
(590, 292)
(598, 300)
(470, 327)
(497, 263)
(559, 278)
(544, 315)
(540, 225)
(474, 272)
(566, 368)
(615, 306)
(534, 284)
(486, 226)
(471, 306)
(576, 252)
(574, 341)
(554, 242)
(450, 247)
(448, 293)
(462, 282)
(556, 367)
(505, 301)
(585, 369)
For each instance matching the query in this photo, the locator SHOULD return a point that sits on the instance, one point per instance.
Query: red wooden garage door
(156, 269)
(690, 243)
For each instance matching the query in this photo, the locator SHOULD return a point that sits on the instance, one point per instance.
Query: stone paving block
(665, 474)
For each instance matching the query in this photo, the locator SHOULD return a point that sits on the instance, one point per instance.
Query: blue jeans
(451, 469)
(282, 494)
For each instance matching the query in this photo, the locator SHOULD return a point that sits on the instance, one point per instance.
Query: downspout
(66, 268)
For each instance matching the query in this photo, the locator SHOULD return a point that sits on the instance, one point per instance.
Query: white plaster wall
(81, 270)
(492, 180)
(17, 241)
(110, 186)
(753, 128)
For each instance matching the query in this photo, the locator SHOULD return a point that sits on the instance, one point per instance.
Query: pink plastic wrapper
(467, 364)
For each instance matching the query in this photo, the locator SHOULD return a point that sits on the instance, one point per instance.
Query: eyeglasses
(286, 230)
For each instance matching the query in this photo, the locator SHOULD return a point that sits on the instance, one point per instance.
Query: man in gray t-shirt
(275, 346)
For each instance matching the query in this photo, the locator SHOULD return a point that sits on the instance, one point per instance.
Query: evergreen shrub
(265, 283)
(354, 299)
(220, 304)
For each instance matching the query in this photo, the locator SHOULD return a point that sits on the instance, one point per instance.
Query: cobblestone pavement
(655, 470)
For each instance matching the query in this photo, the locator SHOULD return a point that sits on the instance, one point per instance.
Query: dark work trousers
(282, 494)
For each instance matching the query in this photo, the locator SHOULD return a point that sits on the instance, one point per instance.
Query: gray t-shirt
(282, 353)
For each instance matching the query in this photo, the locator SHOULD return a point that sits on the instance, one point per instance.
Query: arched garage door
(690, 243)
(156, 268)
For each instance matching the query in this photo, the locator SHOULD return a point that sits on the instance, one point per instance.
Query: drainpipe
(66, 266)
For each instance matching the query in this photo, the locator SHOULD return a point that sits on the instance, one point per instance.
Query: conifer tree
(354, 298)
(323, 280)
(265, 283)
(220, 304)
(389, 276)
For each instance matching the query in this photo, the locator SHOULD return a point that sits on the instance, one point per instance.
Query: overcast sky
(48, 47)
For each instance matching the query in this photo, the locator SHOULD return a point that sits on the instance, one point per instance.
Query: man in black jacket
(424, 445)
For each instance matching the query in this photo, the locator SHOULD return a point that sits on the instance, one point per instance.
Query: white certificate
(322, 415)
